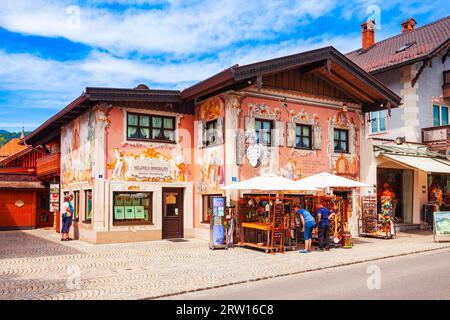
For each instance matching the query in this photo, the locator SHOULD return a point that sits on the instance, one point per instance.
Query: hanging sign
(54, 197)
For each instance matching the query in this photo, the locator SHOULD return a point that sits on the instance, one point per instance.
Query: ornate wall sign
(19, 203)
(254, 154)
(148, 168)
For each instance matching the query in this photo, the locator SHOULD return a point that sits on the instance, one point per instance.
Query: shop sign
(442, 223)
(54, 197)
(254, 154)
(148, 168)
(19, 203)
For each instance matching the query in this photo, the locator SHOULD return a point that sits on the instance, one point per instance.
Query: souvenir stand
(261, 221)
(377, 224)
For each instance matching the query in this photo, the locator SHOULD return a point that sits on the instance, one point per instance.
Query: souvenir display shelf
(258, 227)
(374, 224)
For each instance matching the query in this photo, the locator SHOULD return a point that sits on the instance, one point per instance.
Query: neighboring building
(406, 147)
(24, 199)
(143, 164)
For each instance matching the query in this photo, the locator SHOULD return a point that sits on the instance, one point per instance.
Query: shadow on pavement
(21, 244)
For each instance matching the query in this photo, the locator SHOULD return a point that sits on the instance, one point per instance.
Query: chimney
(368, 34)
(408, 25)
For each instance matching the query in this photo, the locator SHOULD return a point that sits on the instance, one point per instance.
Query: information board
(441, 224)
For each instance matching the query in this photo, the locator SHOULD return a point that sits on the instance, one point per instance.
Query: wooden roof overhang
(164, 100)
(327, 64)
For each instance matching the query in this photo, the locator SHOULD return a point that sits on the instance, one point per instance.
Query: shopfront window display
(132, 208)
(439, 191)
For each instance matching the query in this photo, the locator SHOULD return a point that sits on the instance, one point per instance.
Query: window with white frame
(378, 121)
(440, 115)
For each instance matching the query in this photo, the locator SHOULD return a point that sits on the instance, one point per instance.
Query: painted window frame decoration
(304, 118)
(211, 113)
(440, 119)
(151, 127)
(259, 130)
(132, 211)
(341, 163)
(339, 140)
(376, 120)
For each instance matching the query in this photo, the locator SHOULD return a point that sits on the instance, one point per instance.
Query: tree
(2, 140)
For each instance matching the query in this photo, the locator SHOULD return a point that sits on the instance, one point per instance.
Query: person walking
(67, 214)
(323, 222)
(308, 224)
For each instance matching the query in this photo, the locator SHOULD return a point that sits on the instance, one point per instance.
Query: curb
(291, 273)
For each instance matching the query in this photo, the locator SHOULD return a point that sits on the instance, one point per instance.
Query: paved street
(36, 265)
(418, 276)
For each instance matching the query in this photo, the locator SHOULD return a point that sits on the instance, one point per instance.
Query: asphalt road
(417, 276)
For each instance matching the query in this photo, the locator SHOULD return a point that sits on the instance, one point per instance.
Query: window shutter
(249, 124)
(290, 134)
(219, 131)
(278, 134)
(200, 134)
(317, 137)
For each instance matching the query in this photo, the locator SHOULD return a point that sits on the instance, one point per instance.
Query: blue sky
(51, 50)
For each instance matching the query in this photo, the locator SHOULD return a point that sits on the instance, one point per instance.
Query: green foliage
(6, 136)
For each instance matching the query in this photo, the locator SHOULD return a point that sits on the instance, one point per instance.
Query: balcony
(49, 165)
(437, 138)
(446, 86)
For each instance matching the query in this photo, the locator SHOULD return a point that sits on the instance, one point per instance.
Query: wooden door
(172, 222)
(43, 216)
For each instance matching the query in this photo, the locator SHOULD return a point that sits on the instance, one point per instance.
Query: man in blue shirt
(308, 224)
(323, 222)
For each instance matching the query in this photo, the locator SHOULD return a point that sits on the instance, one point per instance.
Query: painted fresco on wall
(344, 164)
(212, 176)
(154, 164)
(289, 161)
(77, 149)
(211, 109)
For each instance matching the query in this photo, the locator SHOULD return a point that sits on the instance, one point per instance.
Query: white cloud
(179, 28)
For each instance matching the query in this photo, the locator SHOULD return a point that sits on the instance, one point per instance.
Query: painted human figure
(118, 168)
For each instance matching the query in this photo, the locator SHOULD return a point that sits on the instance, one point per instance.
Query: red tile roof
(382, 55)
(11, 148)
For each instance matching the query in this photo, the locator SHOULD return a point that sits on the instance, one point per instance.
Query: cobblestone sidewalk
(36, 265)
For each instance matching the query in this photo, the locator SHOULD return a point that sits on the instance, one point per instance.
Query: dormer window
(405, 47)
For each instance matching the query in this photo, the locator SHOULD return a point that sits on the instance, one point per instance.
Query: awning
(426, 164)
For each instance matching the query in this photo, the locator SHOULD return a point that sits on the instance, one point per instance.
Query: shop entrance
(398, 183)
(172, 203)
(43, 217)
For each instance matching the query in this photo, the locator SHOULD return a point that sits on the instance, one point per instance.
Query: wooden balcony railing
(49, 165)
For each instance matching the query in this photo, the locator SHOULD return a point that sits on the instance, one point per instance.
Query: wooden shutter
(317, 137)
(290, 134)
(220, 131)
(200, 134)
(278, 134)
(249, 124)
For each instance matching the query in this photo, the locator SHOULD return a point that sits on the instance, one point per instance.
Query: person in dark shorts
(308, 224)
(323, 223)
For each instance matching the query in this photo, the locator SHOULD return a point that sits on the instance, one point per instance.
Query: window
(340, 140)
(208, 207)
(378, 121)
(263, 130)
(440, 115)
(150, 127)
(303, 136)
(211, 137)
(88, 206)
(132, 208)
(76, 205)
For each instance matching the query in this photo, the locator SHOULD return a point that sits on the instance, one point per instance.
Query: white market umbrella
(328, 180)
(270, 183)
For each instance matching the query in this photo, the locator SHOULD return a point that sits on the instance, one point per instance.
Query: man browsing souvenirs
(323, 223)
